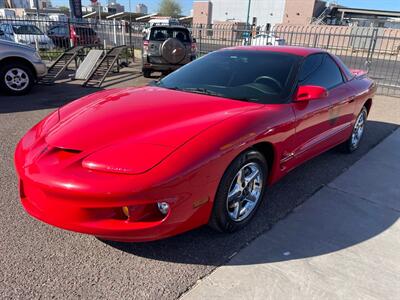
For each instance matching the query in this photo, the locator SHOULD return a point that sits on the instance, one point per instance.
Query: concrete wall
(202, 12)
(298, 11)
(236, 10)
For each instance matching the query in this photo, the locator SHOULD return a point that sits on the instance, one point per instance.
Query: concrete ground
(40, 261)
(343, 243)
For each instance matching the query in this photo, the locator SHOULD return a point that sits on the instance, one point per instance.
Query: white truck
(7, 13)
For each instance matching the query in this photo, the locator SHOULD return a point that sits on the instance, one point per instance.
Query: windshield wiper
(244, 99)
(202, 91)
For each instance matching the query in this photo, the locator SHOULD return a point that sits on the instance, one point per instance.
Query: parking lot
(38, 260)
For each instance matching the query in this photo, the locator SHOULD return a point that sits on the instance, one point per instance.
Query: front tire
(353, 143)
(240, 192)
(16, 78)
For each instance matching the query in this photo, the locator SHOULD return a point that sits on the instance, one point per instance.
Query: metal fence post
(371, 48)
(201, 26)
(115, 32)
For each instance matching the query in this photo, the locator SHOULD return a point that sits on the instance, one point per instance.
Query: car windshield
(26, 29)
(258, 76)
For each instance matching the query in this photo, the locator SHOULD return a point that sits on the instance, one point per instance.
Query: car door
(314, 119)
(53, 34)
(63, 36)
(9, 33)
(343, 106)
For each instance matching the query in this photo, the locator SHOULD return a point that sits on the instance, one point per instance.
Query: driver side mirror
(310, 92)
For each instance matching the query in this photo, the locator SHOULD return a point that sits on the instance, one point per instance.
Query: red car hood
(148, 115)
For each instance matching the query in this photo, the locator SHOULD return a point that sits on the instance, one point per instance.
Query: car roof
(18, 23)
(299, 51)
(168, 26)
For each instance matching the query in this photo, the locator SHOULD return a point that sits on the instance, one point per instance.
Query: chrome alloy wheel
(245, 192)
(16, 79)
(358, 129)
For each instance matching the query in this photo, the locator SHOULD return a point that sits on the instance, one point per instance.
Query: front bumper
(93, 202)
(106, 222)
(40, 68)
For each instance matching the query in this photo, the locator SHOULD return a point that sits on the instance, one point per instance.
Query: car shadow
(66, 90)
(206, 247)
(45, 96)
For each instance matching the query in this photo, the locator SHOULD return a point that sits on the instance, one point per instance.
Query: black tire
(349, 146)
(27, 74)
(220, 219)
(146, 73)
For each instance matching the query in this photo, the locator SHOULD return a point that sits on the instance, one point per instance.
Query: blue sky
(187, 4)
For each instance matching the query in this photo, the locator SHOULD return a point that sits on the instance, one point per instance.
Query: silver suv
(20, 67)
(166, 48)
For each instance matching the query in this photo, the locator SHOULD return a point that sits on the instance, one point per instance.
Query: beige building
(262, 12)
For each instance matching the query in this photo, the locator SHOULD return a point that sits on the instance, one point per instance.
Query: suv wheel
(16, 78)
(146, 73)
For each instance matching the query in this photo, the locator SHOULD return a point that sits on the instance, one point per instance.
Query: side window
(8, 29)
(53, 30)
(321, 70)
(63, 30)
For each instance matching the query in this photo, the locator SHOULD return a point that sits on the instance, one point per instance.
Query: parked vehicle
(200, 146)
(7, 13)
(20, 67)
(266, 39)
(167, 48)
(26, 34)
(79, 35)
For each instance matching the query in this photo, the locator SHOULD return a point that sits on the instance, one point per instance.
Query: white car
(265, 39)
(26, 34)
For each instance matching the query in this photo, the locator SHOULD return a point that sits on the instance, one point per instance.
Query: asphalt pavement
(40, 261)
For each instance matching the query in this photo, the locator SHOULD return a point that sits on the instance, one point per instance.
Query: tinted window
(26, 29)
(54, 30)
(85, 31)
(345, 69)
(258, 76)
(321, 70)
(163, 33)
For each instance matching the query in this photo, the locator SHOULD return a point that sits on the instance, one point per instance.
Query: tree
(170, 8)
(64, 10)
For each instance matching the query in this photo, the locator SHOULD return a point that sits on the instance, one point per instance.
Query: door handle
(349, 100)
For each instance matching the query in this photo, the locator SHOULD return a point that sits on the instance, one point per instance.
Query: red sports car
(198, 147)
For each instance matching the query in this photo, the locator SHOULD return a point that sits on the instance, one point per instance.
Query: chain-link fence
(373, 49)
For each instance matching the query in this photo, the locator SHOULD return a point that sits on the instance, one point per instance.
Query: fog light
(163, 207)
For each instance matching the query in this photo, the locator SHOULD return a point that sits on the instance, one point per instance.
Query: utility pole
(248, 13)
(37, 8)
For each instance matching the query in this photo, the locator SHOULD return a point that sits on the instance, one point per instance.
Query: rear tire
(236, 202)
(16, 78)
(146, 73)
(353, 143)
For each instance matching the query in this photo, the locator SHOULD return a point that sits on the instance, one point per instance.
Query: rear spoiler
(358, 72)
